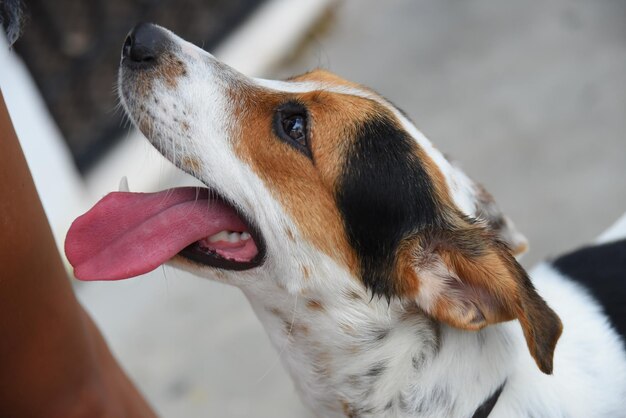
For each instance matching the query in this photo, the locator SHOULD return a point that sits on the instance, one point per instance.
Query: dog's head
(319, 178)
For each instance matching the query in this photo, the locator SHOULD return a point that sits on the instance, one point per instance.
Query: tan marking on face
(323, 76)
(442, 193)
(192, 164)
(305, 272)
(305, 188)
(170, 69)
(289, 234)
(326, 77)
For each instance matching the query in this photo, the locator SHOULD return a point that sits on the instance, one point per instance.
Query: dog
(388, 274)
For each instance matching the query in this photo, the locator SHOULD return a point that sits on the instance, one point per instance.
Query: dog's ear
(495, 220)
(413, 243)
(483, 206)
(466, 277)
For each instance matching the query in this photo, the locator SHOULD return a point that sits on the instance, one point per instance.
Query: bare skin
(53, 359)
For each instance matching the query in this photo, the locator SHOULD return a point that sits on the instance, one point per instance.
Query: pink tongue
(128, 234)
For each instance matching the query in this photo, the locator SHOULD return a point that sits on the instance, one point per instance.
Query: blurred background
(529, 97)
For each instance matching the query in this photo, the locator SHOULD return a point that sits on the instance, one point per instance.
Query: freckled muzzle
(149, 53)
(127, 234)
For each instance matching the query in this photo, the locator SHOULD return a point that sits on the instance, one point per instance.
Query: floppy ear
(468, 278)
(500, 224)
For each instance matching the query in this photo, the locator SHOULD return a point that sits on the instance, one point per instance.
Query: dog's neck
(354, 356)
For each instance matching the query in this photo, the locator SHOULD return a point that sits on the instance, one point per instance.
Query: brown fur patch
(171, 68)
(347, 410)
(192, 164)
(276, 312)
(307, 189)
(323, 76)
(315, 305)
(352, 295)
(290, 235)
(408, 282)
(486, 285)
(411, 310)
(304, 187)
(442, 192)
(322, 364)
(291, 329)
(347, 328)
(305, 272)
(298, 329)
(520, 249)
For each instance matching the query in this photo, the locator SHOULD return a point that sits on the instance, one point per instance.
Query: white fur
(430, 370)
(615, 232)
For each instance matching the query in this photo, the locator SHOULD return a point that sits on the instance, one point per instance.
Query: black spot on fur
(602, 270)
(418, 361)
(435, 400)
(376, 370)
(381, 334)
(486, 407)
(384, 196)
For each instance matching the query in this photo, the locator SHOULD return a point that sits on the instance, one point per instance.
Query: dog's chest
(356, 359)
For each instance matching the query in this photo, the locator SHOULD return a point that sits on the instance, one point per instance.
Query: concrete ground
(529, 96)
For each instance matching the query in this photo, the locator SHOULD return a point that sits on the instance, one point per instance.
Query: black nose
(144, 44)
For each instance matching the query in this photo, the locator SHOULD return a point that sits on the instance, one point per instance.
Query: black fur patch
(601, 269)
(384, 196)
(486, 407)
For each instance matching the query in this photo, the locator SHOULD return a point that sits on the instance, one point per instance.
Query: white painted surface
(49, 159)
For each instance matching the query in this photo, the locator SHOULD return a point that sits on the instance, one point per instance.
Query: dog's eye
(290, 125)
(295, 126)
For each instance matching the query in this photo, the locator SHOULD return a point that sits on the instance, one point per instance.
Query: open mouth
(127, 234)
(237, 246)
